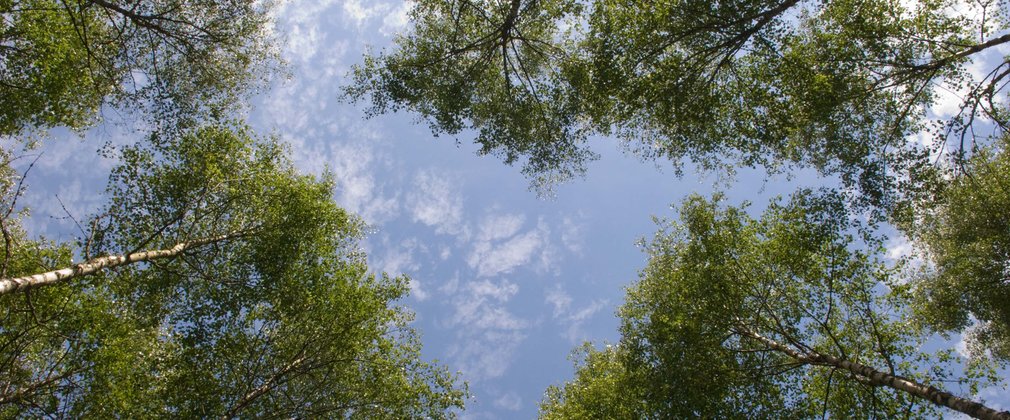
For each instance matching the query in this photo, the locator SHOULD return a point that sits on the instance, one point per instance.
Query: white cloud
(397, 20)
(571, 235)
(437, 202)
(416, 291)
(499, 247)
(500, 226)
(995, 397)
(301, 12)
(486, 355)
(400, 259)
(571, 321)
(501, 291)
(491, 260)
(898, 247)
(302, 42)
(962, 346)
(360, 14)
(574, 322)
(353, 165)
(450, 287)
(509, 401)
(559, 300)
(487, 333)
(947, 102)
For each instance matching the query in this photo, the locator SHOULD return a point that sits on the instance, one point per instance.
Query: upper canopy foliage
(282, 319)
(175, 60)
(835, 85)
(741, 318)
(963, 226)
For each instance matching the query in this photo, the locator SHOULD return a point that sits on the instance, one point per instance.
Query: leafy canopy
(741, 318)
(282, 320)
(176, 61)
(962, 225)
(835, 85)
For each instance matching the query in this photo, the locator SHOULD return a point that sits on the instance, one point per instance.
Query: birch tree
(173, 60)
(789, 316)
(836, 85)
(962, 227)
(282, 320)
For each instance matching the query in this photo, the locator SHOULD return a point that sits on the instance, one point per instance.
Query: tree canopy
(836, 85)
(792, 315)
(278, 315)
(217, 281)
(962, 225)
(174, 60)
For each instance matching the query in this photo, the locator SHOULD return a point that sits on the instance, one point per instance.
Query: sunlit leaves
(837, 86)
(721, 287)
(171, 60)
(964, 230)
(282, 320)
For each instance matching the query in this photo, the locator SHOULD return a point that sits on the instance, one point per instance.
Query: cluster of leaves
(217, 281)
(175, 60)
(282, 318)
(963, 227)
(836, 85)
(736, 317)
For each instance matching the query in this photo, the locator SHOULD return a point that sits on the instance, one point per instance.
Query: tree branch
(878, 378)
(96, 265)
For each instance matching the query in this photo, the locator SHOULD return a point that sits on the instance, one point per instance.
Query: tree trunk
(879, 378)
(95, 265)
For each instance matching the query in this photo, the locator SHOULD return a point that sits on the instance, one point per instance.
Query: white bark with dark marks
(879, 378)
(95, 265)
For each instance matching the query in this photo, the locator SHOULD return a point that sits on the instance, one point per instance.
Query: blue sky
(504, 284)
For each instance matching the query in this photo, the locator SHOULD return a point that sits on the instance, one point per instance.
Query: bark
(96, 265)
(879, 378)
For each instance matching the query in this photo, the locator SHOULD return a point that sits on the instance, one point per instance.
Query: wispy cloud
(397, 19)
(571, 235)
(354, 165)
(499, 248)
(360, 14)
(487, 333)
(436, 201)
(571, 320)
(509, 401)
(559, 300)
(401, 259)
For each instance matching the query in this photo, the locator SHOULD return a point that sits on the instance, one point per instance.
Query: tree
(835, 85)
(63, 59)
(962, 227)
(789, 316)
(283, 319)
(489, 66)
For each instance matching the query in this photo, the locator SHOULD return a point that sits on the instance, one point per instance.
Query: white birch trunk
(95, 265)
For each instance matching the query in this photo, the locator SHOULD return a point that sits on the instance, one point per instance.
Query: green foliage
(491, 67)
(173, 60)
(964, 229)
(803, 276)
(283, 320)
(836, 85)
(600, 389)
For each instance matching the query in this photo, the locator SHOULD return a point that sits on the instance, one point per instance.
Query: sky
(504, 284)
